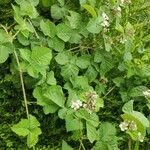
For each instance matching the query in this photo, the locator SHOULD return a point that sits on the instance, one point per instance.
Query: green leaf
(47, 3)
(17, 15)
(22, 39)
(33, 72)
(100, 145)
(28, 8)
(90, 9)
(48, 105)
(61, 2)
(106, 65)
(83, 61)
(34, 2)
(80, 82)
(63, 58)
(69, 70)
(82, 2)
(127, 56)
(91, 73)
(21, 128)
(56, 43)
(98, 56)
(4, 53)
(65, 146)
(99, 104)
(72, 123)
(106, 138)
(50, 78)
(74, 19)
(48, 28)
(75, 38)
(106, 131)
(119, 28)
(137, 91)
(55, 93)
(41, 55)
(64, 32)
(32, 137)
(30, 128)
(4, 37)
(57, 12)
(145, 71)
(118, 81)
(94, 26)
(90, 118)
(142, 118)
(91, 132)
(25, 54)
(33, 122)
(63, 112)
(128, 107)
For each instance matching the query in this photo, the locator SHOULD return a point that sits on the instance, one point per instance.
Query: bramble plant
(79, 65)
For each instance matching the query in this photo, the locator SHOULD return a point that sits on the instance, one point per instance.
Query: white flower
(122, 1)
(94, 95)
(119, 9)
(132, 126)
(147, 93)
(140, 137)
(123, 40)
(105, 20)
(105, 17)
(76, 104)
(124, 125)
(105, 23)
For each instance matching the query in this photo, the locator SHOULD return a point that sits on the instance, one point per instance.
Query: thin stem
(4, 28)
(22, 84)
(33, 29)
(20, 71)
(15, 34)
(82, 145)
(136, 145)
(109, 91)
(129, 144)
(77, 47)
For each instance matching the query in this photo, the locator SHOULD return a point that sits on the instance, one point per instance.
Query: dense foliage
(75, 74)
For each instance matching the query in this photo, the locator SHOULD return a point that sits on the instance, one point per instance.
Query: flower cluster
(91, 98)
(131, 125)
(105, 20)
(146, 93)
(125, 1)
(123, 40)
(128, 125)
(76, 104)
(90, 103)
